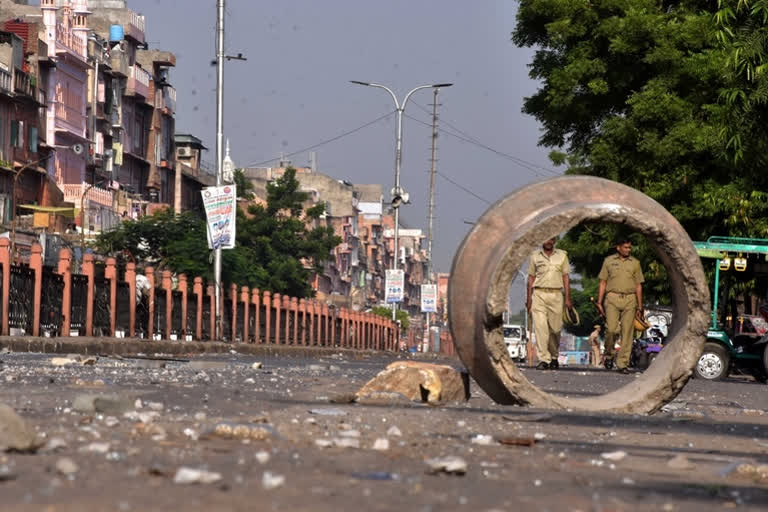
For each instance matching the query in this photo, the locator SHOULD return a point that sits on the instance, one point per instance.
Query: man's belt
(623, 293)
(542, 288)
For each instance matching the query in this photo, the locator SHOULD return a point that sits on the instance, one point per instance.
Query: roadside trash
(451, 465)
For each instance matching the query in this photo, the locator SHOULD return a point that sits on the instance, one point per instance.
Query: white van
(515, 340)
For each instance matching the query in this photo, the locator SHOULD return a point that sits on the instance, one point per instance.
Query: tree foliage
(280, 245)
(386, 312)
(667, 97)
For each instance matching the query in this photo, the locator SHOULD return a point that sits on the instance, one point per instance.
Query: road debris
(451, 465)
(186, 476)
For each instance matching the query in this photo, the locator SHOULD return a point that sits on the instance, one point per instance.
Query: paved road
(682, 459)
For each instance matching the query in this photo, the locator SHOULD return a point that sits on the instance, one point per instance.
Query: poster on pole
(220, 212)
(429, 298)
(395, 284)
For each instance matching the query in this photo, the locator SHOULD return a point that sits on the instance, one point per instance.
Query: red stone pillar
(211, 313)
(257, 312)
(295, 311)
(65, 271)
(303, 310)
(287, 323)
(334, 316)
(36, 265)
(277, 303)
(5, 261)
(183, 289)
(197, 290)
(311, 312)
(88, 270)
(167, 285)
(344, 332)
(233, 304)
(267, 316)
(327, 326)
(245, 299)
(110, 272)
(320, 334)
(150, 273)
(130, 278)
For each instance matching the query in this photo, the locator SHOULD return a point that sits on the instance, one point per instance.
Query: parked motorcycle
(645, 349)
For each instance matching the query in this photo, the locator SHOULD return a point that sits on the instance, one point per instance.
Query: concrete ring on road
(502, 240)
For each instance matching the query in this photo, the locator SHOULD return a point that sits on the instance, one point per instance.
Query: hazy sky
(294, 92)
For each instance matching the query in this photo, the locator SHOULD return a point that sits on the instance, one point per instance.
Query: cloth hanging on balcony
(117, 157)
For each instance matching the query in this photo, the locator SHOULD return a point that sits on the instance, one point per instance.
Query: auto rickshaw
(736, 343)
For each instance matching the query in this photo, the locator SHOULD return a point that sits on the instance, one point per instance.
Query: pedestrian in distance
(548, 286)
(594, 342)
(621, 288)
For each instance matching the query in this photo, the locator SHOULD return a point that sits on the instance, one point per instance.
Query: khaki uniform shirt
(549, 271)
(621, 275)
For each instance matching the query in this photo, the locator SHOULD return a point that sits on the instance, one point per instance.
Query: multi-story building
(371, 221)
(345, 279)
(413, 260)
(191, 173)
(108, 111)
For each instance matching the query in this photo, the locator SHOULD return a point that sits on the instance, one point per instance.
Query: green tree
(639, 92)
(243, 185)
(386, 312)
(279, 246)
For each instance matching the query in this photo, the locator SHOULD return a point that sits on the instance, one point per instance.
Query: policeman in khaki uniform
(548, 277)
(621, 286)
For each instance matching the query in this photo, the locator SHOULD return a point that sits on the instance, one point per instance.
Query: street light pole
(219, 153)
(398, 195)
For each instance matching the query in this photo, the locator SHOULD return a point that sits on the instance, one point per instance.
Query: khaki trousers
(619, 320)
(547, 313)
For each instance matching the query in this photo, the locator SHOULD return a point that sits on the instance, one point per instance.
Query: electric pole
(431, 209)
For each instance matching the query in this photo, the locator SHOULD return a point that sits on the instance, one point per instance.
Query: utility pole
(431, 210)
(219, 153)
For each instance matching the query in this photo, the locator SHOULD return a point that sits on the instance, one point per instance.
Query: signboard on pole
(429, 298)
(220, 205)
(395, 284)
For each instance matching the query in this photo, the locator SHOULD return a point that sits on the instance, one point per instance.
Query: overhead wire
(516, 160)
(324, 142)
(464, 136)
(462, 187)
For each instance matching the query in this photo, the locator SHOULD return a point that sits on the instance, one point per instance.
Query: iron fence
(160, 313)
(51, 302)
(21, 299)
(79, 304)
(177, 299)
(102, 308)
(123, 309)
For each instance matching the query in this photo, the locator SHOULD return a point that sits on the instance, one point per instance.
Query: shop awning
(66, 211)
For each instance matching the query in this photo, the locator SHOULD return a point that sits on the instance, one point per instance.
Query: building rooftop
(369, 193)
(186, 139)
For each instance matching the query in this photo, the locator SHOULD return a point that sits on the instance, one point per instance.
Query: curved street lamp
(399, 196)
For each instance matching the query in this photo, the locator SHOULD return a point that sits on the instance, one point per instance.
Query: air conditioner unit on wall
(184, 151)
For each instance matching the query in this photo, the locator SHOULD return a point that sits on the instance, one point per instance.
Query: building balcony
(118, 61)
(69, 43)
(24, 85)
(75, 193)
(138, 83)
(136, 27)
(6, 81)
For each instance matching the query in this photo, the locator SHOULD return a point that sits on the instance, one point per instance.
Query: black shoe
(625, 371)
(542, 366)
(554, 365)
(608, 364)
